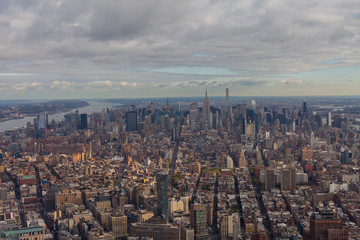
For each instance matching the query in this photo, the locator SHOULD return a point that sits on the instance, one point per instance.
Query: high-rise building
(102, 200)
(198, 221)
(41, 124)
(304, 107)
(242, 159)
(236, 226)
(118, 225)
(325, 225)
(312, 140)
(318, 120)
(43, 120)
(242, 109)
(226, 227)
(229, 162)
(328, 120)
(227, 98)
(206, 110)
(270, 180)
(253, 105)
(83, 121)
(228, 108)
(288, 179)
(162, 183)
(345, 156)
(131, 121)
(194, 115)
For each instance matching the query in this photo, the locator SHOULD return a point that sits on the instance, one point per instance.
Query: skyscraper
(131, 121)
(242, 159)
(269, 179)
(226, 226)
(43, 120)
(345, 156)
(288, 179)
(304, 107)
(162, 183)
(312, 140)
(194, 115)
(228, 109)
(198, 221)
(329, 119)
(227, 97)
(41, 124)
(206, 110)
(83, 121)
(118, 224)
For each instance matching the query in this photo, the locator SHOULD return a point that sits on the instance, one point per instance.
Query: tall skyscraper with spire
(227, 97)
(228, 109)
(206, 110)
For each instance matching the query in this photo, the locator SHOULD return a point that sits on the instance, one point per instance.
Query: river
(19, 123)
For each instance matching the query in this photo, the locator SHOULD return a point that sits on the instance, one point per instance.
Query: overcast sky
(150, 48)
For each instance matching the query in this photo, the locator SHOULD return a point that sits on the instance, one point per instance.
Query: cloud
(62, 85)
(102, 84)
(196, 70)
(236, 34)
(289, 82)
(14, 74)
(27, 86)
(214, 83)
(83, 42)
(253, 82)
(110, 84)
(4, 86)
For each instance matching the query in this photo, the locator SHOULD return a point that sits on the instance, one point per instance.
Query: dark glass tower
(131, 121)
(162, 184)
(198, 221)
(83, 121)
(304, 107)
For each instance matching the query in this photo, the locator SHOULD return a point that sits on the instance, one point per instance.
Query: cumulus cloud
(110, 84)
(27, 86)
(62, 85)
(106, 84)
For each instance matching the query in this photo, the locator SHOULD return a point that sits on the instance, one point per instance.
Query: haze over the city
(153, 48)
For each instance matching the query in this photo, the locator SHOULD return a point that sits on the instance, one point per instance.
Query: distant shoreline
(14, 124)
(17, 111)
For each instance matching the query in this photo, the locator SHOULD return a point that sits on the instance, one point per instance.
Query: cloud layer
(81, 46)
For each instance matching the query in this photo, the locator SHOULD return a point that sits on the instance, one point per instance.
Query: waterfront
(19, 123)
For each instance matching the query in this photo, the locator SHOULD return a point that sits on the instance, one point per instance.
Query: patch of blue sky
(329, 74)
(15, 74)
(333, 61)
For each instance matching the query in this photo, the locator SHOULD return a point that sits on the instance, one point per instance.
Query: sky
(164, 48)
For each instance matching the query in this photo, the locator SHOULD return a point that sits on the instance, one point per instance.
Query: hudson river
(19, 123)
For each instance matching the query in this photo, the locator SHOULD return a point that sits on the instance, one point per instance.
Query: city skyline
(127, 49)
